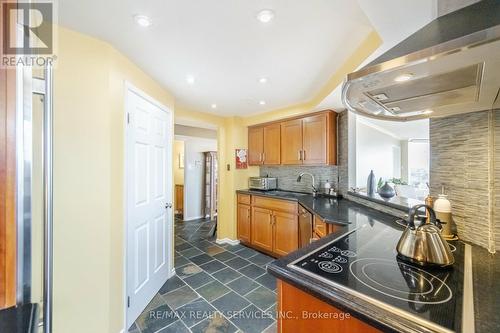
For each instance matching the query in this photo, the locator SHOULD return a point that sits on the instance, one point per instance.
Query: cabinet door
(262, 229)
(315, 140)
(244, 229)
(255, 145)
(291, 142)
(272, 144)
(286, 233)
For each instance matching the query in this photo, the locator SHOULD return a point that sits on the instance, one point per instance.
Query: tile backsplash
(287, 176)
(465, 158)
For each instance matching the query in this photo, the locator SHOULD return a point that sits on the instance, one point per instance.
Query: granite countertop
(332, 210)
(485, 272)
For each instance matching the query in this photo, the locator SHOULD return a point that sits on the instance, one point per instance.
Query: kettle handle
(413, 212)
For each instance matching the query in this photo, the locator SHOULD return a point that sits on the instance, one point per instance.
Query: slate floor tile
(233, 248)
(213, 290)
(271, 329)
(216, 324)
(213, 266)
(237, 263)
(173, 283)
(230, 302)
(176, 327)
(183, 246)
(242, 285)
(187, 270)
(191, 252)
(180, 261)
(195, 311)
(252, 271)
(268, 281)
(214, 249)
(156, 316)
(251, 320)
(179, 297)
(197, 280)
(246, 252)
(261, 259)
(225, 256)
(226, 275)
(201, 259)
(262, 297)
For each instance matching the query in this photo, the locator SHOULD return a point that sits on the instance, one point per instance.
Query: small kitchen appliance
(262, 183)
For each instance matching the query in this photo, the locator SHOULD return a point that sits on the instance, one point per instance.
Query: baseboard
(227, 241)
(194, 218)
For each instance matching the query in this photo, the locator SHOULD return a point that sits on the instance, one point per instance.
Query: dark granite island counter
(356, 272)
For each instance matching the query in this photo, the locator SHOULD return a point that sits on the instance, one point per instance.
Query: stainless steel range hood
(450, 66)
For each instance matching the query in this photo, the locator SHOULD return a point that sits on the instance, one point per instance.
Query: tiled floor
(217, 288)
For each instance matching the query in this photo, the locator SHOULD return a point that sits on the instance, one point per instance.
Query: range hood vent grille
(425, 94)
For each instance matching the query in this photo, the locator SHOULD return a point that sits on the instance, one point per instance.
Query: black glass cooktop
(364, 262)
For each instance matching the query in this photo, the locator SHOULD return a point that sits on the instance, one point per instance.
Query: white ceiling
(394, 20)
(222, 45)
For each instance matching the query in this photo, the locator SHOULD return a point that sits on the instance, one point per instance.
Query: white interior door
(149, 194)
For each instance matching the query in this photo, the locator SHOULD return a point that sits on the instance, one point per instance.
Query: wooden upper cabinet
(272, 144)
(262, 228)
(301, 140)
(286, 233)
(255, 145)
(314, 140)
(291, 142)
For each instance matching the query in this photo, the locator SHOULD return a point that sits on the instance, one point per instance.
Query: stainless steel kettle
(424, 245)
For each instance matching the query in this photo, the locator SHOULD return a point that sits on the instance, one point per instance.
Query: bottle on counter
(326, 187)
(371, 184)
(442, 207)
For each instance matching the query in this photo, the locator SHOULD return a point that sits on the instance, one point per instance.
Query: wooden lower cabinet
(299, 314)
(262, 228)
(286, 233)
(244, 223)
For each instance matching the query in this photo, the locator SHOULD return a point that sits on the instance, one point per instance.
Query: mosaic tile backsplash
(287, 176)
(465, 158)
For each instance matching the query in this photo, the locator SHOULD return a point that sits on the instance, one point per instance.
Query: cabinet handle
(299, 154)
(263, 157)
(303, 155)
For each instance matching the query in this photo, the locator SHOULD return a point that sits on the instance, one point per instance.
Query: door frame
(130, 88)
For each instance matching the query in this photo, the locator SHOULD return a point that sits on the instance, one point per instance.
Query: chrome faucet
(314, 190)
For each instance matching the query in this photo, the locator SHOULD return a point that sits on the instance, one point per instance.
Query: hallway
(217, 288)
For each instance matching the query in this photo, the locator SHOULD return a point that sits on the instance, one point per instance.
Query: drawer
(320, 227)
(275, 204)
(244, 199)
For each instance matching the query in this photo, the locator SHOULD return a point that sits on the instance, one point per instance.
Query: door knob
(168, 205)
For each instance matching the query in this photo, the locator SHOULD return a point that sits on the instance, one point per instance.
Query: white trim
(227, 241)
(191, 218)
(129, 87)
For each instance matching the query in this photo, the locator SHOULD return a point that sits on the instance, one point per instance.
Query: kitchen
(244, 166)
(385, 259)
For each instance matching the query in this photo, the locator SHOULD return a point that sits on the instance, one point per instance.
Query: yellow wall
(178, 172)
(88, 183)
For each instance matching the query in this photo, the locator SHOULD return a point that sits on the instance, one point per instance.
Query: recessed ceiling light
(262, 102)
(263, 80)
(428, 111)
(143, 20)
(214, 106)
(403, 77)
(265, 15)
(190, 79)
